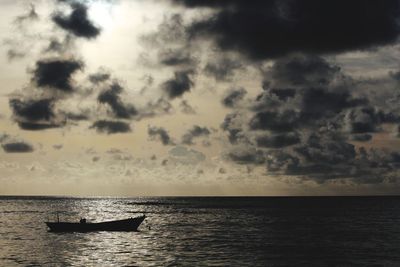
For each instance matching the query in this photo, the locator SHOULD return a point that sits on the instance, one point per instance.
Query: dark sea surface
(270, 231)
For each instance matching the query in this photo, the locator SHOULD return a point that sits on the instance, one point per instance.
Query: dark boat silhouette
(130, 224)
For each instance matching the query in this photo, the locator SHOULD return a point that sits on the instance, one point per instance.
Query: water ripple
(205, 232)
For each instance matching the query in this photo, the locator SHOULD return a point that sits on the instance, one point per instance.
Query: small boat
(130, 224)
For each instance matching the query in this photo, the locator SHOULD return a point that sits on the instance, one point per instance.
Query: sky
(190, 97)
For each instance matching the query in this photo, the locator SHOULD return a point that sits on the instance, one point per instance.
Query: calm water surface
(313, 231)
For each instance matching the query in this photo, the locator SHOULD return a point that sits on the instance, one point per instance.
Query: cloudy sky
(199, 97)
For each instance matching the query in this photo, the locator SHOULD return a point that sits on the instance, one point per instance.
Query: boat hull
(128, 225)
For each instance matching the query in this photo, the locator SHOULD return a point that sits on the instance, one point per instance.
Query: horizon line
(199, 196)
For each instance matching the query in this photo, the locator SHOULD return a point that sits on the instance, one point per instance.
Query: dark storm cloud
(368, 119)
(222, 69)
(362, 120)
(246, 155)
(365, 167)
(278, 140)
(177, 86)
(17, 147)
(111, 96)
(232, 96)
(283, 94)
(316, 95)
(287, 120)
(319, 103)
(111, 127)
(34, 114)
(309, 78)
(318, 150)
(271, 29)
(195, 131)
(321, 157)
(266, 100)
(395, 157)
(279, 160)
(303, 70)
(77, 22)
(56, 73)
(160, 133)
(37, 126)
(305, 118)
(395, 75)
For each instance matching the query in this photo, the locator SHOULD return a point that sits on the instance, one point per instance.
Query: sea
(205, 231)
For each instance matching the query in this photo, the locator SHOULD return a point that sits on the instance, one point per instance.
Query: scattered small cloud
(56, 73)
(233, 96)
(111, 127)
(180, 84)
(160, 134)
(77, 22)
(111, 96)
(58, 146)
(194, 132)
(17, 147)
(187, 108)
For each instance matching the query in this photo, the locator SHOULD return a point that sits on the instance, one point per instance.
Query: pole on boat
(58, 217)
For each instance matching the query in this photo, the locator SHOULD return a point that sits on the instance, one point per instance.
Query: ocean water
(270, 231)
